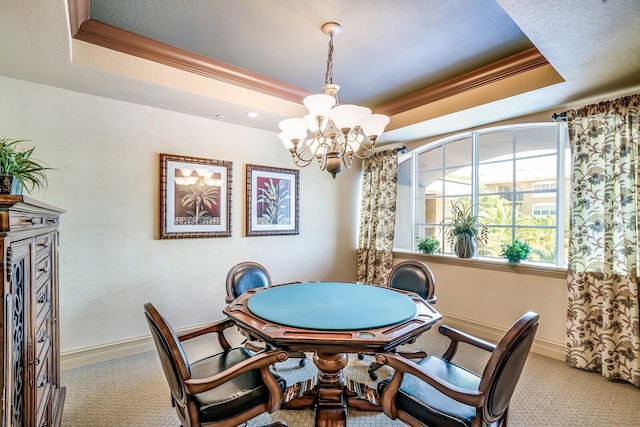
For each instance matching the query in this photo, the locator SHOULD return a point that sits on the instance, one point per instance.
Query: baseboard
(89, 355)
(543, 346)
(100, 353)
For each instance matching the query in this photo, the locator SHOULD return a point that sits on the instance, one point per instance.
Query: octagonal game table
(332, 319)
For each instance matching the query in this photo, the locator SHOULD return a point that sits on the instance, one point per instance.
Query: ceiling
(434, 67)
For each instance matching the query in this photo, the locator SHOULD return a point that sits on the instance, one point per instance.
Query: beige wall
(488, 301)
(106, 153)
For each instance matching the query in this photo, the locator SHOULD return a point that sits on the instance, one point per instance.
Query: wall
(485, 298)
(106, 155)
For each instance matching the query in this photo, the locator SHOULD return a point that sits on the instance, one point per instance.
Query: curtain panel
(603, 332)
(377, 217)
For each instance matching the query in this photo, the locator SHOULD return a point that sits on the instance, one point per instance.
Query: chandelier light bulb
(287, 140)
(374, 124)
(316, 123)
(319, 104)
(295, 128)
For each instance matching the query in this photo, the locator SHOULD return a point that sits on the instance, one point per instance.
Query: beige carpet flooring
(132, 391)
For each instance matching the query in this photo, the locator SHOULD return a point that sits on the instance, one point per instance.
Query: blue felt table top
(332, 306)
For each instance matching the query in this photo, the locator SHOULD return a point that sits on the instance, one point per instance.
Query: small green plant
(19, 164)
(428, 245)
(516, 251)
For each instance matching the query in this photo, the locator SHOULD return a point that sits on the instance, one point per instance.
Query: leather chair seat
(417, 397)
(233, 397)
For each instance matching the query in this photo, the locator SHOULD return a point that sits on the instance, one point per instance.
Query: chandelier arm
(322, 162)
(299, 161)
(368, 150)
(347, 161)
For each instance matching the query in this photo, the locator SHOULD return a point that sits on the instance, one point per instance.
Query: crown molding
(78, 13)
(516, 64)
(108, 36)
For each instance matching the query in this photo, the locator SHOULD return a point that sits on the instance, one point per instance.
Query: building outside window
(513, 177)
(544, 189)
(544, 209)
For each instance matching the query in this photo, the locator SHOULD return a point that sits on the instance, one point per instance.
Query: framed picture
(195, 197)
(273, 196)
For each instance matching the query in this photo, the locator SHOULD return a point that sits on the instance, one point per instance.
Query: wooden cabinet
(32, 395)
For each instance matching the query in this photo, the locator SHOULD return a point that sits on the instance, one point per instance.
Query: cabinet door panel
(20, 377)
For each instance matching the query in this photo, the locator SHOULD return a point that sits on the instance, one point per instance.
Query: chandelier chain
(328, 77)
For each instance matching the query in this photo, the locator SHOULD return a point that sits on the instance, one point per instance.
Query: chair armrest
(213, 328)
(457, 336)
(403, 366)
(261, 361)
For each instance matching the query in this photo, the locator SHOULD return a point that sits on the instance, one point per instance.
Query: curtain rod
(402, 150)
(562, 116)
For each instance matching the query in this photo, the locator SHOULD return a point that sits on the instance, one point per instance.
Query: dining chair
(437, 392)
(413, 276)
(224, 389)
(251, 275)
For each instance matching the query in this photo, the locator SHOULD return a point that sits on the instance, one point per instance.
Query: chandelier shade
(331, 133)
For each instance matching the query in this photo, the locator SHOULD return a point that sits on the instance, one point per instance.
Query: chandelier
(331, 133)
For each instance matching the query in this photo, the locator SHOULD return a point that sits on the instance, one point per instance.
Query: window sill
(530, 268)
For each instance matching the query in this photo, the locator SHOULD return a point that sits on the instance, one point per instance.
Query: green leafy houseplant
(15, 162)
(464, 231)
(428, 245)
(516, 251)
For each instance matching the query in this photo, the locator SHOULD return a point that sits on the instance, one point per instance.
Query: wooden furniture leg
(330, 393)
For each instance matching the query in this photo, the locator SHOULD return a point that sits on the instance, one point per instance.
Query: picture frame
(195, 197)
(273, 201)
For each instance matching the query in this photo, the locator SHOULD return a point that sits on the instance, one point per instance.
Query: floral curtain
(377, 217)
(603, 332)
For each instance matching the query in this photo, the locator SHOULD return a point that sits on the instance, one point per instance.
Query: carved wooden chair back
(202, 396)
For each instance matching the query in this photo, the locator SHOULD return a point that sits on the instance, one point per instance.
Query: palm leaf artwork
(199, 196)
(272, 196)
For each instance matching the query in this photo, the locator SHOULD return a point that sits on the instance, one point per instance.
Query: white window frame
(559, 193)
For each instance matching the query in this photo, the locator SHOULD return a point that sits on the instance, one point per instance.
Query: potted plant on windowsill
(428, 245)
(464, 231)
(18, 169)
(516, 251)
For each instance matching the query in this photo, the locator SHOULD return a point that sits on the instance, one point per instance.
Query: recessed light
(252, 114)
(219, 117)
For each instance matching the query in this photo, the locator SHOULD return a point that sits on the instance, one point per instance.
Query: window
(544, 189)
(544, 209)
(499, 172)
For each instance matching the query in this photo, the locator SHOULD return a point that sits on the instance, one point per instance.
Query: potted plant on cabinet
(516, 251)
(18, 169)
(464, 231)
(428, 245)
